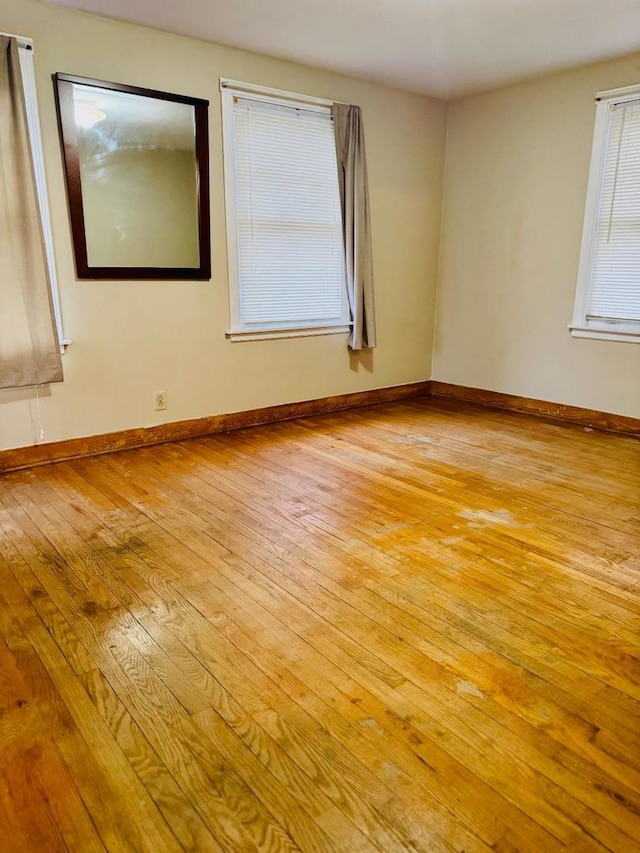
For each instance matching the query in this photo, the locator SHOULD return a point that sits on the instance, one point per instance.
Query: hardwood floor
(409, 627)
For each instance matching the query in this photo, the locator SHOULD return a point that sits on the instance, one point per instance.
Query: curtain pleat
(29, 347)
(356, 225)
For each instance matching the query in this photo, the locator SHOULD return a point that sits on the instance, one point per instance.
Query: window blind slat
(290, 254)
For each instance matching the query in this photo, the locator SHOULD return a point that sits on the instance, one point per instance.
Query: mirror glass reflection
(138, 173)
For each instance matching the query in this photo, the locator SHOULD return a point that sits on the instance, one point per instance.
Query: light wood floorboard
(412, 627)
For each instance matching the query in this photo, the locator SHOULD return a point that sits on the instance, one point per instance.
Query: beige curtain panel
(356, 226)
(29, 347)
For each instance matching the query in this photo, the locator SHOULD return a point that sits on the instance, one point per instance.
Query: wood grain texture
(590, 418)
(94, 445)
(410, 627)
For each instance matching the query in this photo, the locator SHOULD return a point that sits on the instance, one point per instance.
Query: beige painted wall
(131, 339)
(516, 180)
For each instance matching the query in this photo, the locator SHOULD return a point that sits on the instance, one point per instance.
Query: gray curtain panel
(29, 347)
(356, 226)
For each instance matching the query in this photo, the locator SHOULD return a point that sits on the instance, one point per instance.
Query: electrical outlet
(161, 400)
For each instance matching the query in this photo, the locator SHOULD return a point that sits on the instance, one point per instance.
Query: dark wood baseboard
(539, 408)
(41, 454)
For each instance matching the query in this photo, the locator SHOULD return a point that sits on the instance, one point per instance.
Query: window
(283, 215)
(25, 50)
(608, 295)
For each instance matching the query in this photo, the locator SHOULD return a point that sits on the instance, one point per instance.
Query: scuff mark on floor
(392, 775)
(452, 540)
(467, 688)
(417, 438)
(370, 723)
(484, 517)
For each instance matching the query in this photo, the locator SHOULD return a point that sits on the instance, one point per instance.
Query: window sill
(274, 334)
(629, 335)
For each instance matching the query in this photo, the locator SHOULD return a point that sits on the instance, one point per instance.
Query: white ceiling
(439, 47)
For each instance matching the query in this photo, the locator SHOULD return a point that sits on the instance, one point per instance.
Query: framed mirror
(137, 170)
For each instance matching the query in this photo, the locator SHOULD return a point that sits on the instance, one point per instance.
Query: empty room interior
(319, 426)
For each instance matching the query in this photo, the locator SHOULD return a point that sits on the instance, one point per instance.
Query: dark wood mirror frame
(63, 84)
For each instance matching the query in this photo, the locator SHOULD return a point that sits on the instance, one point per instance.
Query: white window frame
(237, 331)
(581, 326)
(26, 53)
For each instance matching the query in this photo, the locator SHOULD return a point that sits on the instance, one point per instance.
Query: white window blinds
(614, 291)
(287, 212)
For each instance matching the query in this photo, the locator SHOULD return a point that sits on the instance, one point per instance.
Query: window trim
(27, 70)
(276, 330)
(580, 326)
